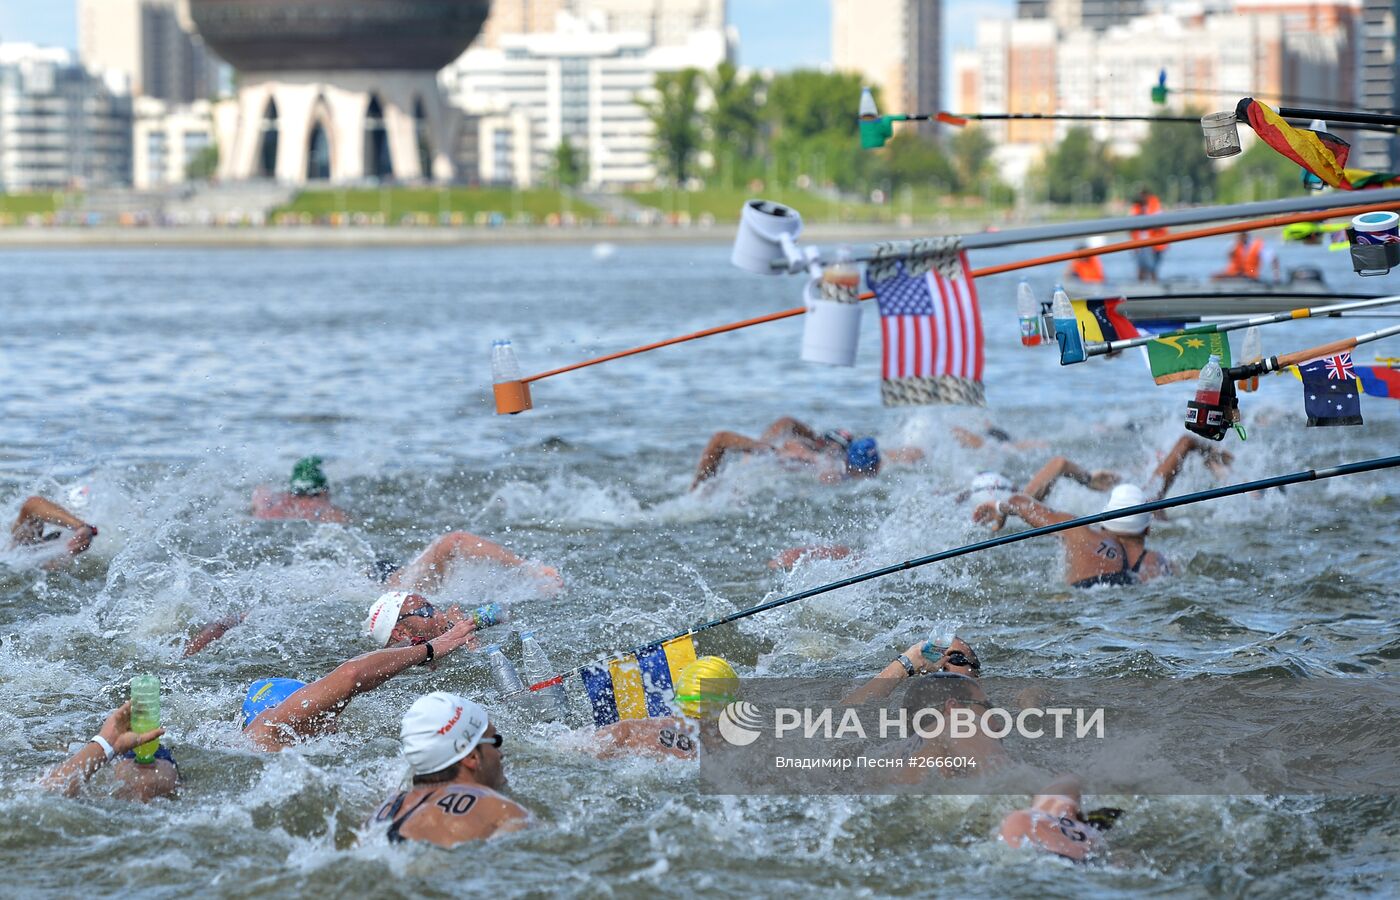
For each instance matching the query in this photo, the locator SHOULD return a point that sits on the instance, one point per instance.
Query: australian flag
(1330, 392)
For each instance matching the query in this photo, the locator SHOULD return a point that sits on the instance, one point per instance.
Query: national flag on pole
(1101, 321)
(1330, 391)
(1379, 381)
(637, 687)
(1180, 356)
(1322, 154)
(931, 326)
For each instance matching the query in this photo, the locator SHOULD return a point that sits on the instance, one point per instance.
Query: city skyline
(774, 34)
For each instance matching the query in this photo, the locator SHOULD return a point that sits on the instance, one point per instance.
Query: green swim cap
(307, 478)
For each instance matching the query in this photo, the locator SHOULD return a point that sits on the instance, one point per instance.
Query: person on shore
(115, 744)
(1148, 259)
(1086, 269)
(308, 496)
(29, 529)
(279, 712)
(454, 755)
(1057, 823)
(1114, 553)
(702, 690)
(1249, 258)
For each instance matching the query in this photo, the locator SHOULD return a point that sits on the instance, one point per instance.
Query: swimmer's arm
(38, 510)
(1061, 466)
(968, 439)
(427, 572)
(888, 678)
(903, 454)
(1170, 467)
(994, 512)
(71, 774)
(211, 633)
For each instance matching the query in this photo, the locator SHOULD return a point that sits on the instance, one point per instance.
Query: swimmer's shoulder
(460, 812)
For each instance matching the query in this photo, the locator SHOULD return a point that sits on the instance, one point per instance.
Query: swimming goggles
(426, 611)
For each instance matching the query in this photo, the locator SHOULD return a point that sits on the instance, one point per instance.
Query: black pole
(1338, 115)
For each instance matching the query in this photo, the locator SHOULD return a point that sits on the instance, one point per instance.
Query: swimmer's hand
(916, 657)
(554, 583)
(990, 513)
(455, 637)
(81, 539)
(117, 731)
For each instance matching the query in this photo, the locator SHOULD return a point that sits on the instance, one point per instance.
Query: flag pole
(1102, 348)
(1355, 468)
(1277, 363)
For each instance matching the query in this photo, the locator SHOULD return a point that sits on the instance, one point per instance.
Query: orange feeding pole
(514, 396)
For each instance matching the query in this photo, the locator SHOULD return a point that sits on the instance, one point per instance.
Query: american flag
(932, 330)
(1339, 367)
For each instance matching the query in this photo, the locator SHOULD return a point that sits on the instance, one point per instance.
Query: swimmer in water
(1114, 553)
(947, 692)
(702, 690)
(1057, 823)
(922, 658)
(454, 754)
(278, 712)
(115, 744)
(836, 455)
(29, 529)
(427, 572)
(401, 619)
(308, 496)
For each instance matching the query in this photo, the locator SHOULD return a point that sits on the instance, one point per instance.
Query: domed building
(337, 90)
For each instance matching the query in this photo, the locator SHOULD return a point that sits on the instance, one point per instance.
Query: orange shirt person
(1245, 258)
(1088, 270)
(1148, 259)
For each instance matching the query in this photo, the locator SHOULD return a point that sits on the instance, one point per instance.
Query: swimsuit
(393, 811)
(1123, 577)
(456, 799)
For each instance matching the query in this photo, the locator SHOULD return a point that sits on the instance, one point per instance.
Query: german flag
(1322, 154)
(1101, 321)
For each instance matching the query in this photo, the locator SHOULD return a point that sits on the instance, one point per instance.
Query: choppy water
(173, 381)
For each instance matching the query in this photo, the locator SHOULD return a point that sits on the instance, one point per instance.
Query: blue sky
(777, 34)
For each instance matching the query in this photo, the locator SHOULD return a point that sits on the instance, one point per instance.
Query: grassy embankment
(16, 207)
(424, 205)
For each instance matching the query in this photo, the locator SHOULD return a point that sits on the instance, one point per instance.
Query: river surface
(174, 381)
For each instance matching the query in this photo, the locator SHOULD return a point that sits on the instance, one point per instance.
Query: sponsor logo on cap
(450, 722)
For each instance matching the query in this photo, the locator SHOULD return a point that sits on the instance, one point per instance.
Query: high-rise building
(166, 139)
(1378, 83)
(150, 42)
(895, 45)
(665, 22)
(60, 125)
(1095, 15)
(579, 83)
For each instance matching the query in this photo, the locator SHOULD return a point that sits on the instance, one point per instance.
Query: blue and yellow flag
(640, 686)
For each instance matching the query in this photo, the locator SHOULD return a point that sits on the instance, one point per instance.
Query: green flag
(1180, 355)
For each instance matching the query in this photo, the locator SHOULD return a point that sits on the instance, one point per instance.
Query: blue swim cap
(268, 694)
(863, 456)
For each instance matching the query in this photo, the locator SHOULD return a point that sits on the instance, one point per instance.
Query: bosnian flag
(932, 330)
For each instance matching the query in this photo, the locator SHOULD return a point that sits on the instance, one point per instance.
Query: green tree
(811, 117)
(972, 159)
(675, 119)
(734, 117)
(1172, 163)
(568, 165)
(204, 164)
(1260, 173)
(913, 159)
(1078, 170)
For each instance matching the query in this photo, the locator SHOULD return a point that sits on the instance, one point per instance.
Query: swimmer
(836, 455)
(947, 692)
(308, 496)
(116, 743)
(1113, 553)
(703, 689)
(1055, 822)
(922, 658)
(36, 512)
(401, 619)
(454, 754)
(427, 572)
(278, 712)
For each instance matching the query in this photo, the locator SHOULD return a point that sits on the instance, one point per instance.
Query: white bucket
(831, 331)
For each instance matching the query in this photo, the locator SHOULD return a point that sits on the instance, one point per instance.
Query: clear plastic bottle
(1211, 380)
(550, 702)
(504, 366)
(1028, 311)
(1252, 351)
(841, 279)
(145, 713)
(502, 672)
(1066, 328)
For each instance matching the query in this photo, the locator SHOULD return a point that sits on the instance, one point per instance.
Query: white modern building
(60, 126)
(664, 22)
(152, 43)
(895, 45)
(579, 83)
(166, 139)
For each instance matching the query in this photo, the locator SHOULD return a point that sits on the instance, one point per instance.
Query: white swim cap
(384, 615)
(439, 729)
(79, 496)
(1123, 496)
(989, 486)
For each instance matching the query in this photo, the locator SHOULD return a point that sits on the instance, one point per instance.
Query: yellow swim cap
(706, 686)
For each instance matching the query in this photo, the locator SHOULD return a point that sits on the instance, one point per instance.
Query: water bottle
(145, 713)
(504, 366)
(502, 672)
(1028, 311)
(1066, 328)
(550, 702)
(488, 615)
(1210, 383)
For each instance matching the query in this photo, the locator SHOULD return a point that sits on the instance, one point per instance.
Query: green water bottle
(145, 713)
